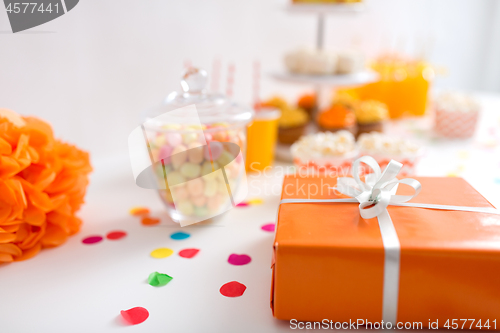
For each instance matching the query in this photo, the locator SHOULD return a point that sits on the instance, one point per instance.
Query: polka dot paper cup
(455, 125)
(456, 115)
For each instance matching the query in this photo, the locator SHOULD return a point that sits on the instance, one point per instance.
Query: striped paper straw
(230, 80)
(256, 82)
(214, 82)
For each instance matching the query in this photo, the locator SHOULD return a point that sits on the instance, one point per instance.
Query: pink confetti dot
(242, 204)
(115, 235)
(268, 227)
(239, 259)
(92, 239)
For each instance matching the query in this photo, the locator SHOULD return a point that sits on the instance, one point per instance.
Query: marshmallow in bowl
(375, 143)
(350, 61)
(456, 102)
(326, 144)
(324, 62)
(306, 61)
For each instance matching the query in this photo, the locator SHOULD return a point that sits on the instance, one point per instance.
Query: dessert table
(81, 287)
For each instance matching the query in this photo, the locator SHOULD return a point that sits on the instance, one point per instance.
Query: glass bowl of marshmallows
(383, 148)
(325, 152)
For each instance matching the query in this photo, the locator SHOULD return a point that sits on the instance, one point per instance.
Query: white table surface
(82, 288)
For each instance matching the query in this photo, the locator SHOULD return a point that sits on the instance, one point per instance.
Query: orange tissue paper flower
(42, 185)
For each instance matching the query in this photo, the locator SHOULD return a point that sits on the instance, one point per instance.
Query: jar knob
(194, 80)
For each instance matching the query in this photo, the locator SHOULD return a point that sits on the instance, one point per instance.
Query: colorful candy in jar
(193, 163)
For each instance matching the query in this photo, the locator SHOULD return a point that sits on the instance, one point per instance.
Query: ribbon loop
(379, 188)
(370, 161)
(404, 198)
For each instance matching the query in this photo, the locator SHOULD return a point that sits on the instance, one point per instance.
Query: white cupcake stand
(321, 82)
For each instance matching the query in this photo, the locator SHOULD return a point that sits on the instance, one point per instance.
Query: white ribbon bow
(379, 189)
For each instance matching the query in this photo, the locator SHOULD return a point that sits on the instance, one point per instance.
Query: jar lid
(212, 108)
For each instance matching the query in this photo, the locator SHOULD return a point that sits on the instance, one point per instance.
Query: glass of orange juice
(261, 138)
(403, 86)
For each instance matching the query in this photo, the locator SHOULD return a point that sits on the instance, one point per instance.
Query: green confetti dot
(159, 279)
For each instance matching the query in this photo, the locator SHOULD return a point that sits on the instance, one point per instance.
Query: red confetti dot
(268, 227)
(92, 240)
(239, 259)
(114, 235)
(135, 315)
(188, 253)
(242, 204)
(233, 289)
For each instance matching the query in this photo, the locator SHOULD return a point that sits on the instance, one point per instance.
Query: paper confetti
(268, 227)
(92, 239)
(255, 201)
(149, 220)
(115, 235)
(139, 211)
(242, 204)
(135, 315)
(161, 252)
(159, 279)
(239, 259)
(232, 289)
(179, 235)
(497, 180)
(188, 253)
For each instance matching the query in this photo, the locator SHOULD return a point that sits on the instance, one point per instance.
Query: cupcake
(346, 98)
(292, 122)
(292, 125)
(275, 102)
(456, 115)
(325, 152)
(307, 103)
(383, 148)
(336, 118)
(370, 116)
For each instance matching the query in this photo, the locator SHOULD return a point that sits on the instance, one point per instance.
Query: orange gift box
(328, 261)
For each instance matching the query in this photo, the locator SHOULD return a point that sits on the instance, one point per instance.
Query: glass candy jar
(196, 142)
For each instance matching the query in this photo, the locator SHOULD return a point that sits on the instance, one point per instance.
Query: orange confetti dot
(149, 220)
(139, 211)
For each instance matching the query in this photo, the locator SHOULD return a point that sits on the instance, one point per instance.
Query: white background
(94, 70)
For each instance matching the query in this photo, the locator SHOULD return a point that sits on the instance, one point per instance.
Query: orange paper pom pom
(42, 185)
